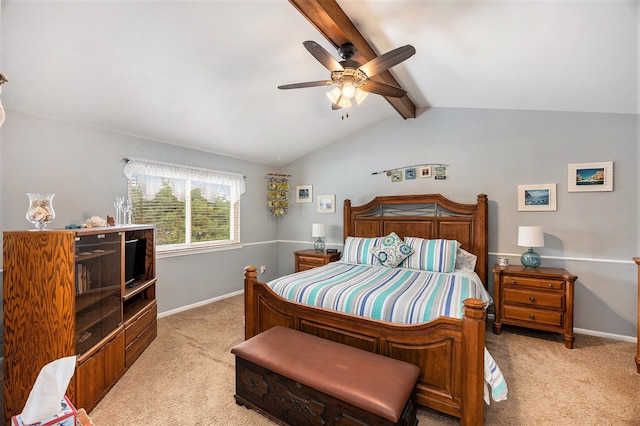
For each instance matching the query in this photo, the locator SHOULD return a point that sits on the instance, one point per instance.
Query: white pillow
(465, 261)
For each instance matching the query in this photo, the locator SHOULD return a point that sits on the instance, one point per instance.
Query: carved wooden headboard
(429, 216)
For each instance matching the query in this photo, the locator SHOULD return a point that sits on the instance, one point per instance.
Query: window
(191, 207)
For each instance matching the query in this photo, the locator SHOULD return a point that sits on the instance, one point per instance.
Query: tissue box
(66, 417)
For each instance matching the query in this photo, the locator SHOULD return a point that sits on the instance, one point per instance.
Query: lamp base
(530, 259)
(319, 246)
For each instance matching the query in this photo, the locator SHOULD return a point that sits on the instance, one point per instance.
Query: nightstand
(539, 298)
(309, 259)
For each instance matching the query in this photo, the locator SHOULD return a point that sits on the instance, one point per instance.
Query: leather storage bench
(295, 378)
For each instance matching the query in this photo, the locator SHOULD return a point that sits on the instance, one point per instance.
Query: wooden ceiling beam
(334, 25)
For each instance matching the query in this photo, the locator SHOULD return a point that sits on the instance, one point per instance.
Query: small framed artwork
(396, 176)
(588, 177)
(304, 194)
(410, 173)
(425, 172)
(536, 198)
(326, 203)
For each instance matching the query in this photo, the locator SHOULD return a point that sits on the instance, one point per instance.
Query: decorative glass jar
(40, 211)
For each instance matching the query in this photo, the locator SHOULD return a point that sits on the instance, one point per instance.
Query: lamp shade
(318, 230)
(530, 236)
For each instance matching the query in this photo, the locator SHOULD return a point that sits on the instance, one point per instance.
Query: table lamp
(319, 231)
(530, 236)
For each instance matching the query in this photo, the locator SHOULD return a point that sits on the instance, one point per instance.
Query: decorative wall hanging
(441, 172)
(424, 170)
(588, 177)
(278, 188)
(538, 197)
(3, 79)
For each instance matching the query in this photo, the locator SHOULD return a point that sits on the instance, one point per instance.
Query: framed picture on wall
(538, 197)
(588, 177)
(410, 173)
(425, 172)
(326, 203)
(304, 194)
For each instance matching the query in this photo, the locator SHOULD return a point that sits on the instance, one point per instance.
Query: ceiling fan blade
(335, 107)
(323, 56)
(388, 60)
(382, 89)
(307, 84)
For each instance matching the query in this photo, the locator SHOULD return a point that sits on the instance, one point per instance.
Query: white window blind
(191, 207)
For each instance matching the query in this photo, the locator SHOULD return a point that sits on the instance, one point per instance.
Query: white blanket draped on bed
(398, 295)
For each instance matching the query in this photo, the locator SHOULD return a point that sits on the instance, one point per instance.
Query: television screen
(134, 260)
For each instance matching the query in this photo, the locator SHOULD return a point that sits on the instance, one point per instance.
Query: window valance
(154, 175)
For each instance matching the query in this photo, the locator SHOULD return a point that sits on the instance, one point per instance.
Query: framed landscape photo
(588, 177)
(536, 198)
(396, 176)
(410, 173)
(326, 203)
(304, 194)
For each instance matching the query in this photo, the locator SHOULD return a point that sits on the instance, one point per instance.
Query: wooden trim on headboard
(442, 218)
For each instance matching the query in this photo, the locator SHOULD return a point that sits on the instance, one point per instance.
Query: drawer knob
(532, 317)
(550, 285)
(514, 282)
(533, 299)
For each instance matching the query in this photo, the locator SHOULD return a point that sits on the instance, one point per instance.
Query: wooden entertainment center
(64, 294)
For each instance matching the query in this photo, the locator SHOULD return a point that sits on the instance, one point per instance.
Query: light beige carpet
(186, 377)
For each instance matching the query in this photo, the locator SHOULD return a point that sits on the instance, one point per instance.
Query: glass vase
(40, 211)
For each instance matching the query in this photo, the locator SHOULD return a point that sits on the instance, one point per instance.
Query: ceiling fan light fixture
(348, 90)
(360, 95)
(334, 94)
(343, 102)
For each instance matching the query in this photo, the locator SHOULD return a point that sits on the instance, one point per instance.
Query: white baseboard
(605, 335)
(595, 333)
(198, 304)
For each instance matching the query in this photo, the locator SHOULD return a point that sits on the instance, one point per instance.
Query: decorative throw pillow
(391, 251)
(358, 250)
(465, 261)
(432, 255)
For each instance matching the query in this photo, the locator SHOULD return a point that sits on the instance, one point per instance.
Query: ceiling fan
(353, 78)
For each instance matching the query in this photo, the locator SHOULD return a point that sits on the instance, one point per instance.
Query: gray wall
(593, 235)
(83, 167)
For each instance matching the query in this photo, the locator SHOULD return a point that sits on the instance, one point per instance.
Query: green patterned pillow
(391, 251)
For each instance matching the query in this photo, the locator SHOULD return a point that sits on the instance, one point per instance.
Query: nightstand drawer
(309, 259)
(311, 262)
(533, 282)
(538, 316)
(534, 298)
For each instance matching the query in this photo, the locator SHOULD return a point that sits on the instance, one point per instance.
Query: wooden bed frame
(449, 351)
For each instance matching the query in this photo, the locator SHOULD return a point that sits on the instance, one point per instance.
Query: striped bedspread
(398, 295)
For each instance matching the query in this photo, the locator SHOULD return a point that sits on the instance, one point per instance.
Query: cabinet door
(114, 360)
(99, 372)
(98, 288)
(90, 381)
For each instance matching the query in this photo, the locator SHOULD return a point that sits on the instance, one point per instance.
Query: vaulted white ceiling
(204, 74)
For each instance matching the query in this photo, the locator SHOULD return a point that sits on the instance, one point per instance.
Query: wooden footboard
(449, 351)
